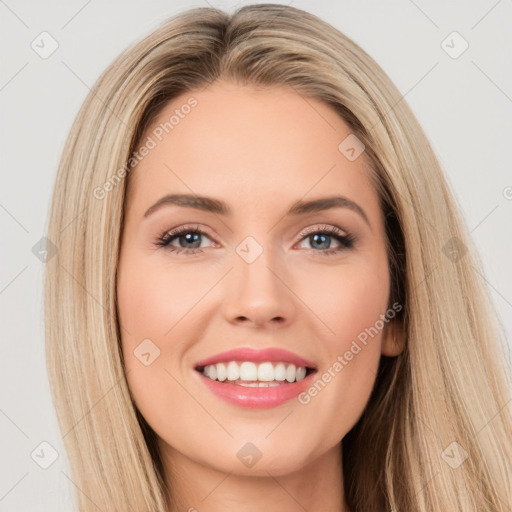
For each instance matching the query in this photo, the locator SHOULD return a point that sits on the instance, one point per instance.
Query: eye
(186, 235)
(189, 239)
(319, 238)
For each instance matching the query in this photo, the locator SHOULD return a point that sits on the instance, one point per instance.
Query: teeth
(301, 373)
(280, 371)
(250, 374)
(258, 384)
(290, 373)
(248, 371)
(233, 371)
(222, 372)
(265, 372)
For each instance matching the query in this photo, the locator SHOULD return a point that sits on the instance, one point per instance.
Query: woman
(255, 368)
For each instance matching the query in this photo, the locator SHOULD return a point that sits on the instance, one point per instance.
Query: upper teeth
(249, 371)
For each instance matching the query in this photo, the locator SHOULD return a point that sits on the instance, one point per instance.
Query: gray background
(464, 105)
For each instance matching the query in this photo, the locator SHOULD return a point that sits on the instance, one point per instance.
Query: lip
(253, 398)
(256, 398)
(257, 356)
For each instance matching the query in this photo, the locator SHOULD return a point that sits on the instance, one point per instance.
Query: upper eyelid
(325, 227)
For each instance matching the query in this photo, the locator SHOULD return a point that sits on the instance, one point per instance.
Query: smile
(249, 373)
(244, 378)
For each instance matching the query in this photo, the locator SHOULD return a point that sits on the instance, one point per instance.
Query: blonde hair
(448, 386)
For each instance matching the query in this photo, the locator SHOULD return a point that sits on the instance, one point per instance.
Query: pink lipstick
(256, 378)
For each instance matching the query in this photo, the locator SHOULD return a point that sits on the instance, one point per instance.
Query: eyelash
(346, 241)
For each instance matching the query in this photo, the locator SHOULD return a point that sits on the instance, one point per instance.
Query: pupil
(325, 244)
(189, 238)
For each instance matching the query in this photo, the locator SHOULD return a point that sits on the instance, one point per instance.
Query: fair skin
(259, 151)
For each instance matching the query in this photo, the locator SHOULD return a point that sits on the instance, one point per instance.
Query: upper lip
(258, 356)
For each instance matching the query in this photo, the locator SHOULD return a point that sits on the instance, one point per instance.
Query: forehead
(251, 147)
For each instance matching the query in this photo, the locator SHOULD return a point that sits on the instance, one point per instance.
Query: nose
(259, 293)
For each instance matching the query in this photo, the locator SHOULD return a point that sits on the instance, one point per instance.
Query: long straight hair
(444, 398)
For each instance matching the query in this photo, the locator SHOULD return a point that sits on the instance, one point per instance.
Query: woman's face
(263, 273)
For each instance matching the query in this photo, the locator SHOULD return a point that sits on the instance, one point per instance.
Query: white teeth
(290, 373)
(233, 371)
(251, 374)
(266, 372)
(280, 372)
(222, 372)
(258, 384)
(248, 371)
(301, 373)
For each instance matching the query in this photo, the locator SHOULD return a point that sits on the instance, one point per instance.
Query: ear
(393, 339)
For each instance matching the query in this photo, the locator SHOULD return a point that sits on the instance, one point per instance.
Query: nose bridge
(257, 287)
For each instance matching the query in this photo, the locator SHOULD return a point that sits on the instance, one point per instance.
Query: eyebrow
(219, 207)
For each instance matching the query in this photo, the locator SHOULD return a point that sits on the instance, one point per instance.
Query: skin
(259, 150)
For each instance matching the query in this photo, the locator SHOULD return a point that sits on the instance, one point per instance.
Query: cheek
(347, 300)
(153, 298)
(359, 325)
(352, 343)
(144, 308)
(155, 304)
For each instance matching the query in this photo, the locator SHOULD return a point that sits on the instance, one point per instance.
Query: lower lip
(254, 398)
